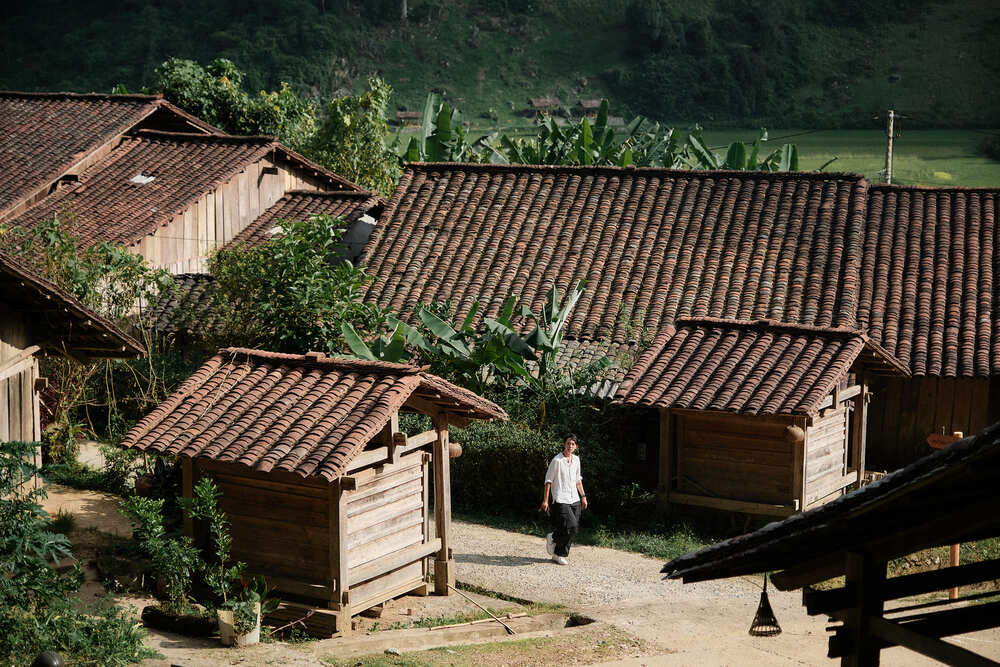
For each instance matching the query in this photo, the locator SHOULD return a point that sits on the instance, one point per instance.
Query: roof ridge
(331, 193)
(197, 136)
(809, 175)
(933, 188)
(321, 359)
(772, 324)
(96, 96)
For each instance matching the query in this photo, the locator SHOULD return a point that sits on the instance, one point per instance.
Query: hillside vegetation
(821, 63)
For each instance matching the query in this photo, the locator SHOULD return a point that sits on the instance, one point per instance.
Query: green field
(922, 157)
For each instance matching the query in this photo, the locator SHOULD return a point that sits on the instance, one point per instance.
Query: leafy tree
(215, 94)
(351, 139)
(291, 293)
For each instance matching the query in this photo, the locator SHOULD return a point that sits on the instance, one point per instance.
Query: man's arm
(545, 496)
(583, 495)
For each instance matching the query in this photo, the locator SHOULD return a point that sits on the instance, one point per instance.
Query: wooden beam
(665, 482)
(859, 433)
(808, 572)
(865, 576)
(187, 491)
(392, 561)
(424, 406)
(339, 599)
(838, 396)
(444, 566)
(732, 505)
(830, 601)
(932, 647)
(18, 363)
(369, 457)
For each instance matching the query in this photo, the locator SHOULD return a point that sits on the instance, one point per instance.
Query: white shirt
(563, 474)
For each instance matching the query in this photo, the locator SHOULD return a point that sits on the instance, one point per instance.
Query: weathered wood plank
(375, 531)
(393, 561)
(770, 509)
(363, 552)
(410, 489)
(378, 587)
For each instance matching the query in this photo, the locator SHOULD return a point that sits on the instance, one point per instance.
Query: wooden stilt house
(757, 416)
(327, 497)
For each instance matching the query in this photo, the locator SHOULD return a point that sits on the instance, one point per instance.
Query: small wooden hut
(37, 317)
(947, 497)
(327, 497)
(757, 416)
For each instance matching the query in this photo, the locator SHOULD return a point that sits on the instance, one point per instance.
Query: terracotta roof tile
(664, 244)
(758, 367)
(42, 136)
(303, 204)
(189, 306)
(306, 414)
(929, 279)
(114, 202)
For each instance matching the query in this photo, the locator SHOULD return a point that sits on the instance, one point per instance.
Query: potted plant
(239, 615)
(239, 618)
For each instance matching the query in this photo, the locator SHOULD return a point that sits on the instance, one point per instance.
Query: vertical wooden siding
(19, 408)
(826, 455)
(904, 411)
(183, 245)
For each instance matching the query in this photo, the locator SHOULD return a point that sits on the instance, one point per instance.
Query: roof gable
(660, 244)
(46, 134)
(152, 176)
(306, 414)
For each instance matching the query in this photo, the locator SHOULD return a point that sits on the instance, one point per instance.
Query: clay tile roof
(306, 414)
(188, 307)
(114, 201)
(758, 367)
(60, 323)
(930, 281)
(41, 136)
(658, 244)
(300, 205)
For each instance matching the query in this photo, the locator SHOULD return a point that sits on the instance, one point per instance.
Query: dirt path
(694, 624)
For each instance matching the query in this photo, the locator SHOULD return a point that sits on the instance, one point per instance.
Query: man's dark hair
(571, 436)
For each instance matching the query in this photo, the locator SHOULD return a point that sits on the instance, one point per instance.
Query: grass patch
(76, 476)
(63, 522)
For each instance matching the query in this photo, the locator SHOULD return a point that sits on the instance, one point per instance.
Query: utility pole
(888, 146)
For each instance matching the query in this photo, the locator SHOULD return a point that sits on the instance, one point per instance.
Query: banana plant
(442, 136)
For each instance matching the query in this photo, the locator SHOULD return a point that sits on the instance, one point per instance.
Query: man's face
(569, 446)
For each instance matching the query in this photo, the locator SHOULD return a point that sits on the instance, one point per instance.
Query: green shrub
(36, 612)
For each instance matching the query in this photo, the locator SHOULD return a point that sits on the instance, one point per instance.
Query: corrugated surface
(43, 135)
(745, 367)
(929, 281)
(300, 205)
(299, 413)
(663, 244)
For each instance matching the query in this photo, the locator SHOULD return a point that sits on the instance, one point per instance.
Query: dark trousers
(565, 518)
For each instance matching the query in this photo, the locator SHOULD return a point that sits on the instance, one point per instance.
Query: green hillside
(821, 63)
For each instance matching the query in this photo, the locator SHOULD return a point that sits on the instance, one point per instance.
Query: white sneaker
(550, 544)
(562, 560)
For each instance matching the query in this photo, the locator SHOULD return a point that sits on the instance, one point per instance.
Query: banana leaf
(358, 346)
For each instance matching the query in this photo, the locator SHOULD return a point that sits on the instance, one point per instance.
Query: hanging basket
(764, 623)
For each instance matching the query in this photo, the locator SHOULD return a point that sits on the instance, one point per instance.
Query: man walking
(565, 482)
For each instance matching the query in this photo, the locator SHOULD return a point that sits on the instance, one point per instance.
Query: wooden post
(663, 488)
(187, 490)
(444, 564)
(340, 600)
(859, 430)
(425, 476)
(866, 578)
(797, 435)
(388, 437)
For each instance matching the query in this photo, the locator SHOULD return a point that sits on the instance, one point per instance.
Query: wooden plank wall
(386, 514)
(183, 245)
(279, 528)
(19, 408)
(826, 454)
(904, 411)
(734, 456)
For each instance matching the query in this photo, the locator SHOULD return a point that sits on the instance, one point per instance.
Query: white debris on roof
(140, 179)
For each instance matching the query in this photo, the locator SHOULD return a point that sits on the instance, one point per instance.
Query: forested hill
(814, 63)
